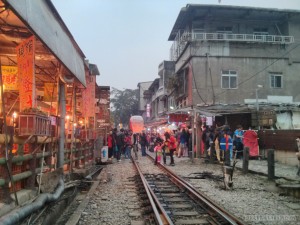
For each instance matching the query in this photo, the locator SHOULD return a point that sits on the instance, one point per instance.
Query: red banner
(25, 58)
(88, 97)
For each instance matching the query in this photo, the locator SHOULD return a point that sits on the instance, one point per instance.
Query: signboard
(25, 58)
(88, 97)
(10, 78)
(148, 110)
(50, 92)
(178, 117)
(104, 124)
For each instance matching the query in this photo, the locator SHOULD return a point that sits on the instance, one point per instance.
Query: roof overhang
(224, 12)
(41, 17)
(215, 110)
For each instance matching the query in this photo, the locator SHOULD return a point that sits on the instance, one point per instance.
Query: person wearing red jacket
(171, 140)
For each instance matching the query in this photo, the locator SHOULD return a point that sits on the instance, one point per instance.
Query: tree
(124, 104)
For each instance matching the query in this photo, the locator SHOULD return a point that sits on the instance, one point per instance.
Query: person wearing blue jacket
(226, 145)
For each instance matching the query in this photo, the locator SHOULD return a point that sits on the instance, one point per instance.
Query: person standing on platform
(227, 147)
(110, 145)
(158, 151)
(135, 145)
(238, 141)
(170, 143)
(128, 144)
(114, 142)
(120, 144)
(217, 144)
(143, 142)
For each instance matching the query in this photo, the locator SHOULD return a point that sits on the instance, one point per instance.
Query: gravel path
(254, 198)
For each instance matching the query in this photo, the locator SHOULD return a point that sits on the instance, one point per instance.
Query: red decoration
(250, 140)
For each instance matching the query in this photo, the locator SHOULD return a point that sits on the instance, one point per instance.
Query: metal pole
(72, 126)
(62, 103)
(193, 135)
(257, 107)
(256, 95)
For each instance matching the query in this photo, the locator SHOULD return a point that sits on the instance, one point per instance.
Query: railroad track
(175, 201)
(156, 196)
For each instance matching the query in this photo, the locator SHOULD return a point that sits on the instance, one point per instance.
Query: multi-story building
(142, 87)
(156, 96)
(240, 65)
(241, 62)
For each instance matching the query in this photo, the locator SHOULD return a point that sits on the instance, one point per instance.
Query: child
(158, 151)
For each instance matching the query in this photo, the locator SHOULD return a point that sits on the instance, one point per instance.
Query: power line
(254, 75)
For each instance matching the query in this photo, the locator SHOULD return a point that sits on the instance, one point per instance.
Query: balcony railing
(180, 42)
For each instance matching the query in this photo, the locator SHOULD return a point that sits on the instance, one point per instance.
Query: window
(260, 31)
(229, 79)
(183, 81)
(276, 80)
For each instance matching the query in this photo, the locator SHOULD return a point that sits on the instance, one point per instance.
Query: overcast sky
(127, 39)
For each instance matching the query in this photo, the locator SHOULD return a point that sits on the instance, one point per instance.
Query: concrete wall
(207, 73)
(282, 156)
(143, 86)
(286, 157)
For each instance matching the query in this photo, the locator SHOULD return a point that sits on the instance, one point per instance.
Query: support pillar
(246, 160)
(62, 107)
(271, 164)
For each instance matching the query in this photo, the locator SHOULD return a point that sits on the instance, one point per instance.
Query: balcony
(158, 93)
(180, 42)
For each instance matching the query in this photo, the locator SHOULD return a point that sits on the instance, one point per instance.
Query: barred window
(229, 79)
(276, 80)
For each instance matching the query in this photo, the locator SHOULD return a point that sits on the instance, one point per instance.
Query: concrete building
(241, 64)
(142, 87)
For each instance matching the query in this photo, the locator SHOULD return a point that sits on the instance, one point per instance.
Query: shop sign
(88, 97)
(178, 118)
(53, 120)
(50, 92)
(104, 124)
(25, 58)
(10, 78)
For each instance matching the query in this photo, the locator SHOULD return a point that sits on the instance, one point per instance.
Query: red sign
(10, 77)
(88, 97)
(25, 57)
(178, 117)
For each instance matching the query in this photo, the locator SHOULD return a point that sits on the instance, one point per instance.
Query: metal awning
(196, 109)
(39, 17)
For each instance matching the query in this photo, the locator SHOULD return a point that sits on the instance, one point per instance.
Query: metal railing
(181, 41)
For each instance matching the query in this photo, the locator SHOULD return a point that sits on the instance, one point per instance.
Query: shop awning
(44, 21)
(196, 109)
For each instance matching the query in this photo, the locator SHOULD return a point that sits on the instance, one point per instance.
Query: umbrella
(172, 127)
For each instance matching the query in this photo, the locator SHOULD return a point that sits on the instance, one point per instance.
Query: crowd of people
(226, 143)
(176, 143)
(165, 145)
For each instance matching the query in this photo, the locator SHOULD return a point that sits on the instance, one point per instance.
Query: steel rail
(219, 210)
(153, 199)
